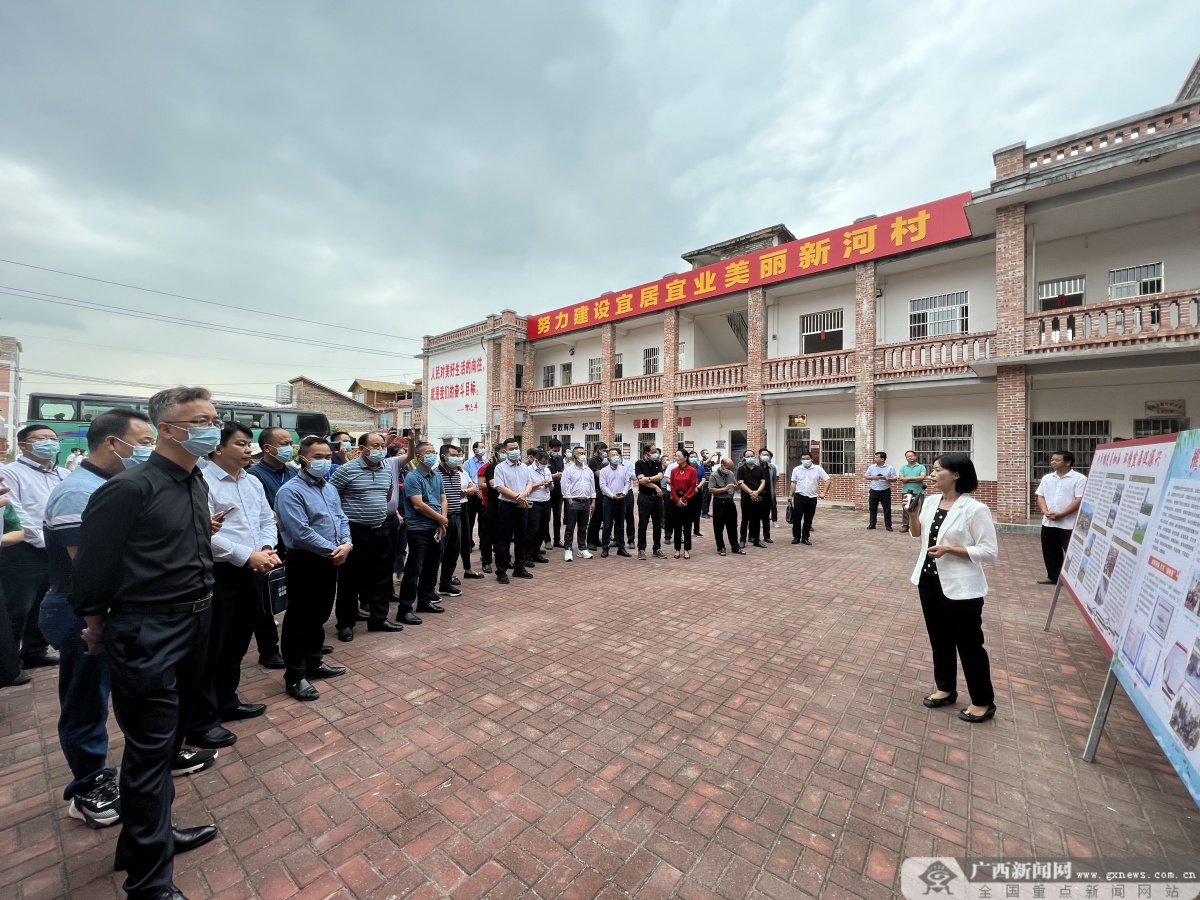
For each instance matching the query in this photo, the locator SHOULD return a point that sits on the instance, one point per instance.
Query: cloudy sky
(403, 168)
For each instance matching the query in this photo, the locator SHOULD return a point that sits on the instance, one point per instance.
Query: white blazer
(968, 524)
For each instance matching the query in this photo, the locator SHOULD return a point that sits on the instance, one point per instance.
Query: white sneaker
(567, 557)
(583, 554)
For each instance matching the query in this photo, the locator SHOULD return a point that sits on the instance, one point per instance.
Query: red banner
(909, 229)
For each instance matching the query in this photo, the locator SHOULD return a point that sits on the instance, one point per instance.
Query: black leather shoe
(274, 661)
(243, 711)
(324, 670)
(22, 677)
(487, 569)
(768, 540)
(795, 540)
(185, 839)
(430, 608)
(604, 553)
(759, 544)
(302, 690)
(410, 619)
(983, 717)
(345, 634)
(472, 574)
(809, 543)
(171, 893)
(213, 739)
(621, 551)
(385, 625)
(935, 702)
(529, 563)
(521, 573)
(501, 578)
(42, 660)
(542, 558)
(454, 580)
(326, 649)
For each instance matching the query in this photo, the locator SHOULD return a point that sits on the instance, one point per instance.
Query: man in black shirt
(143, 583)
(649, 473)
(752, 480)
(557, 464)
(598, 461)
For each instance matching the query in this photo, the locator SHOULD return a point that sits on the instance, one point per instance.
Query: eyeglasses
(199, 423)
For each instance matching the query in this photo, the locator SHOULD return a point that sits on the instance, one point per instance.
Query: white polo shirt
(1060, 492)
(807, 482)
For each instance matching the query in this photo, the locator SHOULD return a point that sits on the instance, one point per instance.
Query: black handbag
(275, 596)
(787, 513)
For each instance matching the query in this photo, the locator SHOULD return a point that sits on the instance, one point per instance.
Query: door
(737, 446)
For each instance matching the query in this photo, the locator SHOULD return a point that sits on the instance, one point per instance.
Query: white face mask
(807, 463)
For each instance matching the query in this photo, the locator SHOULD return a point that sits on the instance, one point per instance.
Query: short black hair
(366, 436)
(446, 448)
(229, 429)
(881, 453)
(806, 453)
(960, 464)
(312, 440)
(165, 401)
(30, 429)
(478, 444)
(512, 440)
(601, 446)
(336, 433)
(112, 423)
(766, 451)
(555, 442)
(264, 436)
(1067, 456)
(542, 456)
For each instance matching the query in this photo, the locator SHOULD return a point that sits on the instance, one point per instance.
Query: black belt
(368, 527)
(167, 609)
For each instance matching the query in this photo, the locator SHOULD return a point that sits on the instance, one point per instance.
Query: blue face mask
(201, 440)
(655, 455)
(765, 458)
(453, 461)
(693, 460)
(377, 455)
(141, 453)
(285, 454)
(319, 467)
(430, 459)
(46, 448)
(749, 460)
(514, 455)
(807, 463)
(481, 453)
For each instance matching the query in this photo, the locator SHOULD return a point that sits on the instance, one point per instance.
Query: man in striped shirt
(450, 469)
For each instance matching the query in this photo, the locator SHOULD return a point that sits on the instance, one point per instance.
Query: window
(55, 410)
(645, 439)
(821, 332)
(931, 441)
(544, 441)
(1061, 292)
(650, 361)
(1136, 281)
(589, 442)
(619, 368)
(361, 397)
(935, 316)
(251, 418)
(547, 376)
(837, 451)
(302, 423)
(1080, 438)
(1158, 425)
(681, 356)
(797, 441)
(594, 368)
(520, 375)
(89, 409)
(406, 419)
(566, 374)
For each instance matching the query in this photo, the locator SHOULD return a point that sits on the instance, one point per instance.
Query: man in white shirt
(25, 572)
(74, 460)
(1058, 497)
(537, 519)
(514, 482)
(809, 484)
(243, 552)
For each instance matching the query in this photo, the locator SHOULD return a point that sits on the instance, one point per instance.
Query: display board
(1124, 484)
(1158, 658)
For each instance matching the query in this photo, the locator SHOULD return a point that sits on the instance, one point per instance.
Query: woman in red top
(683, 489)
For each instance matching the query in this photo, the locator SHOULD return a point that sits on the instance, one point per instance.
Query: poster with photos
(1158, 661)
(1124, 484)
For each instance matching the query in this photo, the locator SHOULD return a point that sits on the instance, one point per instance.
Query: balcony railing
(1068, 151)
(582, 394)
(711, 380)
(638, 387)
(836, 367)
(949, 355)
(1114, 323)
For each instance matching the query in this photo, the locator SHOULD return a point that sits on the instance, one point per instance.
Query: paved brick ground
(739, 727)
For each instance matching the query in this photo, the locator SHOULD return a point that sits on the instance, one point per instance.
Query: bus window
(93, 408)
(284, 420)
(254, 419)
(55, 410)
(312, 423)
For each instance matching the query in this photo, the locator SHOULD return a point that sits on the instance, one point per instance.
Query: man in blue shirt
(317, 535)
(880, 476)
(478, 460)
(425, 524)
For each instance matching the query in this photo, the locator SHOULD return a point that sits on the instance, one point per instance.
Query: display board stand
(1053, 603)
(1098, 720)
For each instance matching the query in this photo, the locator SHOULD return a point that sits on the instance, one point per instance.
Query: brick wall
(608, 363)
(756, 351)
(864, 388)
(1011, 400)
(344, 412)
(670, 417)
(1009, 161)
(508, 375)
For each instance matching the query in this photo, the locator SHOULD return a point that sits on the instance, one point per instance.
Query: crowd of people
(153, 560)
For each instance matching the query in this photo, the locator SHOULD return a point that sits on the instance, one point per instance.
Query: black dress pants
(556, 509)
(451, 548)
(956, 632)
(464, 539)
(614, 520)
(537, 523)
(1054, 550)
(235, 607)
(725, 521)
(418, 586)
(365, 579)
(803, 510)
(25, 575)
(883, 497)
(155, 662)
(577, 512)
(489, 524)
(650, 509)
(510, 537)
(752, 513)
(311, 582)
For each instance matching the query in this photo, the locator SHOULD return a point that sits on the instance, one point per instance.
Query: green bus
(70, 414)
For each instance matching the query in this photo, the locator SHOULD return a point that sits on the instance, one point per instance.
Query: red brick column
(508, 373)
(1012, 470)
(756, 351)
(670, 412)
(864, 388)
(528, 438)
(1009, 161)
(608, 364)
(494, 381)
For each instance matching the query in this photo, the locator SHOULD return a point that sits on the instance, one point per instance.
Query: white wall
(977, 276)
(556, 354)
(896, 413)
(710, 423)
(544, 424)
(452, 417)
(1170, 241)
(1118, 395)
(783, 319)
(637, 340)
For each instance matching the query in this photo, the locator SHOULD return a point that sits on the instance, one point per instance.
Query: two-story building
(1057, 308)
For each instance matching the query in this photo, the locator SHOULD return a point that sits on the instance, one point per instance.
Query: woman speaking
(949, 577)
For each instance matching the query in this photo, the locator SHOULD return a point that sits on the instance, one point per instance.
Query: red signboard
(920, 226)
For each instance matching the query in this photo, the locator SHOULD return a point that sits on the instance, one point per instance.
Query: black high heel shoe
(935, 702)
(982, 717)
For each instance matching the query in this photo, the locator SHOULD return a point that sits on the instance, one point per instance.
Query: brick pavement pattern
(737, 727)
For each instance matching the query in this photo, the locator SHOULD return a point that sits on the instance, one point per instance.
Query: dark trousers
(399, 532)
(614, 522)
(537, 523)
(489, 524)
(693, 511)
(154, 665)
(236, 602)
(464, 539)
(629, 505)
(1054, 550)
(419, 584)
(311, 582)
(725, 521)
(752, 516)
(670, 515)
(593, 534)
(683, 525)
(956, 632)
(266, 633)
(83, 689)
(577, 512)
(23, 573)
(770, 513)
(556, 508)
(803, 510)
(650, 509)
(510, 537)
(365, 579)
(474, 513)
(874, 500)
(451, 548)
(706, 499)
(10, 665)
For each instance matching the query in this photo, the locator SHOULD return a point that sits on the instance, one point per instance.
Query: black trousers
(956, 632)
(577, 513)
(881, 497)
(725, 521)
(155, 664)
(1054, 550)
(24, 575)
(693, 511)
(650, 509)
(451, 548)
(489, 525)
(770, 513)
(556, 511)
(510, 537)
(464, 539)
(593, 534)
(365, 579)
(418, 586)
(537, 525)
(311, 583)
(671, 514)
(752, 516)
(803, 510)
(683, 524)
(614, 521)
(10, 667)
(630, 502)
(235, 609)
